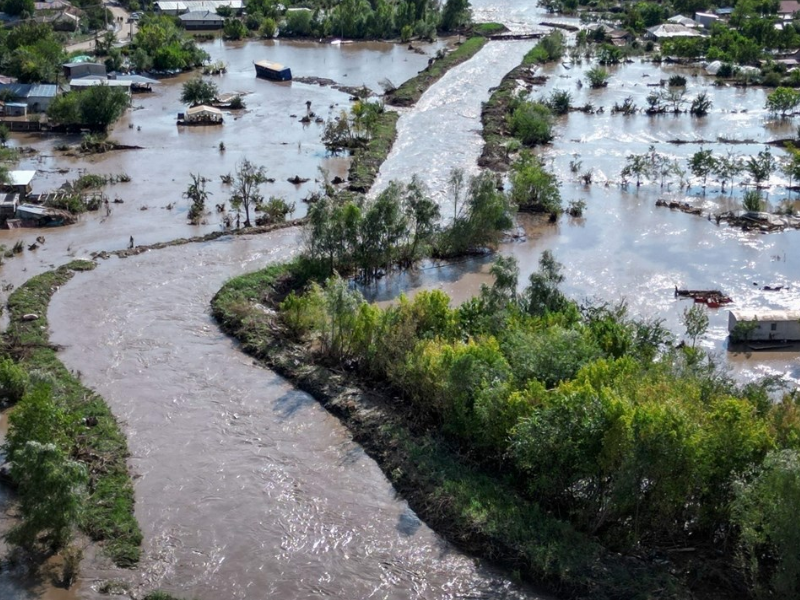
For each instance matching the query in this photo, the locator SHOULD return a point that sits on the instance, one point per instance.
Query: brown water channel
(246, 488)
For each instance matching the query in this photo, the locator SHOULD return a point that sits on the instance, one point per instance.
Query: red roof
(789, 7)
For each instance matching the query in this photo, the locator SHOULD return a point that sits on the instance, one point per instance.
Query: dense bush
(591, 413)
(531, 123)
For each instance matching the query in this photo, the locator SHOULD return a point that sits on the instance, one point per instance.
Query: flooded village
(241, 476)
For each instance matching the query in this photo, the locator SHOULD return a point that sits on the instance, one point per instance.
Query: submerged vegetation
(67, 452)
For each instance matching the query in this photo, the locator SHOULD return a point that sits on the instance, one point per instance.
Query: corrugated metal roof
(203, 108)
(201, 15)
(43, 90)
(32, 209)
(84, 82)
(20, 90)
(766, 315)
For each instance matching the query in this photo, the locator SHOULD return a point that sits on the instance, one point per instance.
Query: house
(619, 37)
(16, 109)
(76, 70)
(179, 7)
(685, 21)
(766, 325)
(32, 215)
(202, 19)
(788, 8)
(706, 20)
(724, 12)
(667, 31)
(86, 82)
(40, 96)
(18, 182)
(52, 5)
(199, 115)
(37, 97)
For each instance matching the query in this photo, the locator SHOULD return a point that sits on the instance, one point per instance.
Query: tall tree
(246, 184)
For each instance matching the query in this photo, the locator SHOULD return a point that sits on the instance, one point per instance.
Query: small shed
(201, 19)
(74, 70)
(18, 182)
(41, 95)
(706, 19)
(32, 215)
(203, 114)
(16, 109)
(766, 325)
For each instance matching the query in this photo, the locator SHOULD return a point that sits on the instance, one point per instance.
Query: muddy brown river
(245, 487)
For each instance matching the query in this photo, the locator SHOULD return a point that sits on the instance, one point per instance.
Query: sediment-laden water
(245, 487)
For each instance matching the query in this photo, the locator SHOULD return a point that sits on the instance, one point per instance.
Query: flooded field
(245, 487)
(265, 132)
(624, 248)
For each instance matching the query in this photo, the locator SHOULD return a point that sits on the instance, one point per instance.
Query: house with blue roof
(37, 96)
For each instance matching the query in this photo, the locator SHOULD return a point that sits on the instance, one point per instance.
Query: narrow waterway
(246, 487)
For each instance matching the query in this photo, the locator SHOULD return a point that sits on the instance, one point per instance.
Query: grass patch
(366, 162)
(108, 512)
(481, 511)
(488, 29)
(411, 91)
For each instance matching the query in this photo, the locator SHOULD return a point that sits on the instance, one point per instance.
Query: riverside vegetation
(65, 448)
(580, 447)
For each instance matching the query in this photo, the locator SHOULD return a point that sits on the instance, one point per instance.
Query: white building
(766, 325)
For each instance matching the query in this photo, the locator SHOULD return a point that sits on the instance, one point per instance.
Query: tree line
(352, 19)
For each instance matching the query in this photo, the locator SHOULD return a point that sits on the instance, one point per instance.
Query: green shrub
(13, 381)
(765, 510)
(532, 123)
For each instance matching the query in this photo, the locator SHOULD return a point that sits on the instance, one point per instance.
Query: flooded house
(185, 6)
(667, 31)
(765, 325)
(271, 70)
(201, 19)
(19, 182)
(201, 115)
(32, 215)
(37, 97)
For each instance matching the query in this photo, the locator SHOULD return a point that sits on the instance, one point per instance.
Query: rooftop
(270, 65)
(766, 315)
(202, 15)
(20, 177)
(672, 30)
(788, 7)
(203, 108)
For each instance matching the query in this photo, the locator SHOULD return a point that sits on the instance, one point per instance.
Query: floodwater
(624, 248)
(265, 132)
(246, 487)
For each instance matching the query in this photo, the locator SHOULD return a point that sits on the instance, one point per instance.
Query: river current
(245, 487)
